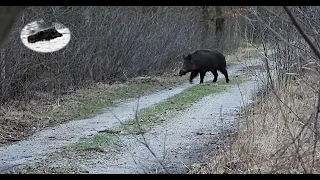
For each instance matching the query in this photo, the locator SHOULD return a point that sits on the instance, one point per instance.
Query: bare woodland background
(117, 43)
(112, 43)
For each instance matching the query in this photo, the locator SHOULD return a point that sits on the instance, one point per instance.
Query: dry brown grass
(273, 137)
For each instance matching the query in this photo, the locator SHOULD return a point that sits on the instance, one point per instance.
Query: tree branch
(295, 23)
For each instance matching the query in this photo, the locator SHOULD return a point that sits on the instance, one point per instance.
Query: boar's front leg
(193, 75)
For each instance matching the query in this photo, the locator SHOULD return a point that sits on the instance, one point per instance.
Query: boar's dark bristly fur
(202, 61)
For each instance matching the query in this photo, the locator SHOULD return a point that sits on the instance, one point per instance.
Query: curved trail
(51, 139)
(176, 141)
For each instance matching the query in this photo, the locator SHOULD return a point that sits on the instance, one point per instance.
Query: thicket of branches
(280, 133)
(108, 44)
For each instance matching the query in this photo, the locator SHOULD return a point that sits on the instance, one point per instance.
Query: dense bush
(108, 44)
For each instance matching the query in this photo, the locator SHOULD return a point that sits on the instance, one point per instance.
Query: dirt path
(180, 138)
(182, 141)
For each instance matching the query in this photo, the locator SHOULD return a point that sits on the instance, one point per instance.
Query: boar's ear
(188, 57)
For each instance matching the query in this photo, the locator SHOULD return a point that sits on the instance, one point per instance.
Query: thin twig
(316, 115)
(144, 140)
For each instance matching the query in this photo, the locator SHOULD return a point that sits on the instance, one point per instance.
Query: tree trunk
(205, 20)
(219, 28)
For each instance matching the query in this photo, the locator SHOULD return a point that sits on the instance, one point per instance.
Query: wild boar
(202, 61)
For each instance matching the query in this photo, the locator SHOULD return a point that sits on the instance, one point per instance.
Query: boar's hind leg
(193, 75)
(215, 75)
(225, 73)
(202, 74)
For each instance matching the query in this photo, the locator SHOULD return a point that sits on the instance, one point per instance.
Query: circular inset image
(45, 39)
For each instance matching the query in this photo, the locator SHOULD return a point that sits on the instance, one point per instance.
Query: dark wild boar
(44, 35)
(202, 61)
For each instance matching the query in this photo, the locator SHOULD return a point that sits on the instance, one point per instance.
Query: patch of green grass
(159, 113)
(94, 101)
(167, 109)
(99, 142)
(173, 105)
